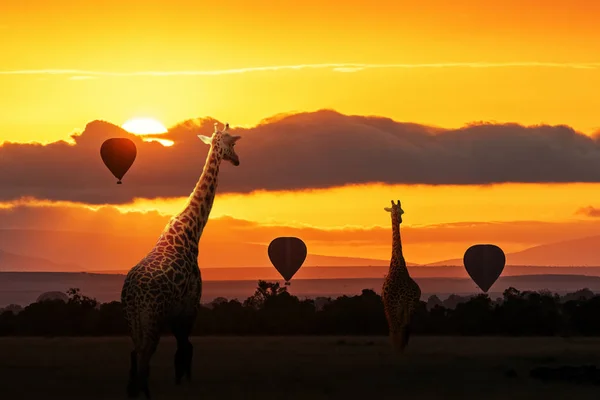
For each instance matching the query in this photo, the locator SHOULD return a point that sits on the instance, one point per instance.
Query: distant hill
(582, 252)
(576, 252)
(16, 262)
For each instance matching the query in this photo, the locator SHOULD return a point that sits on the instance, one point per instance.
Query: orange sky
(433, 230)
(434, 62)
(428, 209)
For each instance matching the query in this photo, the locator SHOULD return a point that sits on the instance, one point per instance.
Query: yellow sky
(187, 39)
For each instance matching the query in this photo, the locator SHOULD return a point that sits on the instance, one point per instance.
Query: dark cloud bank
(307, 150)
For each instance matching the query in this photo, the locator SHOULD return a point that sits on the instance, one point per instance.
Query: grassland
(299, 368)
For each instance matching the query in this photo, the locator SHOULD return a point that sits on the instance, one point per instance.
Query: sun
(147, 126)
(144, 126)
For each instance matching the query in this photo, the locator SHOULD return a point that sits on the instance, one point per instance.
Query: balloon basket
(287, 283)
(119, 183)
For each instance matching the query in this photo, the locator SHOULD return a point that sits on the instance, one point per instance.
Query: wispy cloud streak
(82, 77)
(340, 67)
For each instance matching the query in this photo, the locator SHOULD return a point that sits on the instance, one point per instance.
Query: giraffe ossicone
(397, 209)
(165, 287)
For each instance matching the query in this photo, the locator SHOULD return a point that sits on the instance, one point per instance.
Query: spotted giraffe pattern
(165, 287)
(400, 293)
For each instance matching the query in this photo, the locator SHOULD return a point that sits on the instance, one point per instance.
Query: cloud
(82, 77)
(589, 211)
(348, 69)
(337, 67)
(307, 150)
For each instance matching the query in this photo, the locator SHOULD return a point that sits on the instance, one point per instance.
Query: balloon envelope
(287, 254)
(484, 264)
(118, 155)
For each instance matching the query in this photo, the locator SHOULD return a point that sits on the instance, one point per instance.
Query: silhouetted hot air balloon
(118, 155)
(287, 254)
(484, 264)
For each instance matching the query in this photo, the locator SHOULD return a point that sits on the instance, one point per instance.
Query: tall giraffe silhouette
(400, 293)
(165, 287)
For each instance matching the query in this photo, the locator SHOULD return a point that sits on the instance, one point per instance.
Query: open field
(298, 368)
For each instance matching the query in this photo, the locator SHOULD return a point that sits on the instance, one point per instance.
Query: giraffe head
(224, 142)
(396, 211)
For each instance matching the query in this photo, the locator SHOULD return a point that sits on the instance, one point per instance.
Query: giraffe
(400, 293)
(165, 287)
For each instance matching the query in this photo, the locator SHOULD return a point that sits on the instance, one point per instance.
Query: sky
(481, 118)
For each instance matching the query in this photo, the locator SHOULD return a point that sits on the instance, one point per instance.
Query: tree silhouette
(264, 291)
(271, 310)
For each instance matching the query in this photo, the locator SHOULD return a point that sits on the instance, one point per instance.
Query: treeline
(273, 311)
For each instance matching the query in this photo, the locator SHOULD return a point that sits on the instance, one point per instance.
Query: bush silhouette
(271, 310)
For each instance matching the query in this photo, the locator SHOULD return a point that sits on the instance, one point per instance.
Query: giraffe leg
(182, 327)
(132, 385)
(140, 362)
(144, 356)
(405, 336)
(400, 336)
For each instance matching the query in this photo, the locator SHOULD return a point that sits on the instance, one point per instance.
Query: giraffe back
(400, 295)
(164, 284)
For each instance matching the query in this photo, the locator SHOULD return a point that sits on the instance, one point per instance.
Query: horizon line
(427, 266)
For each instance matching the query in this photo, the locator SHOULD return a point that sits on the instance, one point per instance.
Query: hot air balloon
(287, 254)
(118, 155)
(484, 264)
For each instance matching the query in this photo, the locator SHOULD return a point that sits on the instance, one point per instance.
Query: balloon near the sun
(144, 126)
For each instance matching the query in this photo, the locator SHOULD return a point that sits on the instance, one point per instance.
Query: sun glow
(144, 126)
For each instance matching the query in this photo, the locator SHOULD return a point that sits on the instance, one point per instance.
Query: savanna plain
(324, 367)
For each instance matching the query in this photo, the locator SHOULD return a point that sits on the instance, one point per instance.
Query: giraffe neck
(398, 264)
(200, 202)
(184, 230)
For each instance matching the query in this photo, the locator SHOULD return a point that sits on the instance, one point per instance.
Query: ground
(309, 368)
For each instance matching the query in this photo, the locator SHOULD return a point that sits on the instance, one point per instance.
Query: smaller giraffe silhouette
(400, 293)
(165, 287)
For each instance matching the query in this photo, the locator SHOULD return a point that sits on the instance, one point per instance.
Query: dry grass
(298, 368)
